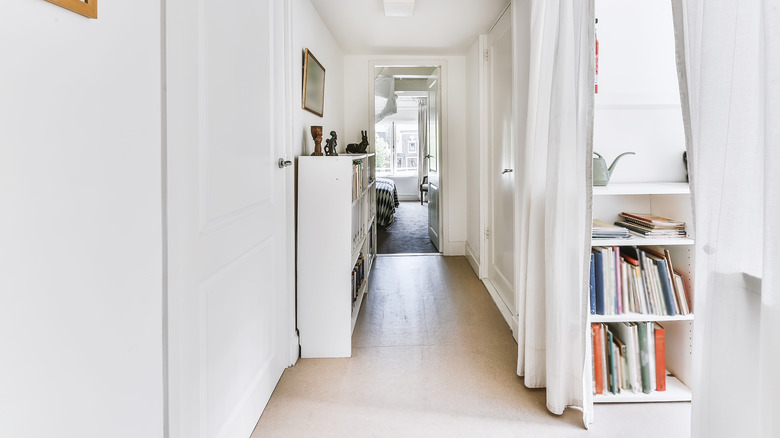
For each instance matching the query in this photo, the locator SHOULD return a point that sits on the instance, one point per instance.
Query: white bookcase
(336, 230)
(670, 200)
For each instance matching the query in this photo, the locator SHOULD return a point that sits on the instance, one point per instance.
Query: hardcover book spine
(660, 358)
(592, 289)
(599, 282)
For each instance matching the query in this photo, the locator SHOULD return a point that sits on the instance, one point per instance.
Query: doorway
(406, 133)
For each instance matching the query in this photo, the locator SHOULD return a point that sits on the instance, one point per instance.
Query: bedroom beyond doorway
(409, 232)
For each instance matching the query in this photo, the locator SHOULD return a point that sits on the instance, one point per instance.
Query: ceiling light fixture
(399, 8)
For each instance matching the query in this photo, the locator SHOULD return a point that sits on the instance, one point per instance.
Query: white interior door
(434, 146)
(227, 296)
(501, 176)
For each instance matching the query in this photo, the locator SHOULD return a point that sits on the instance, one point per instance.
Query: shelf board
(651, 188)
(640, 241)
(629, 317)
(675, 391)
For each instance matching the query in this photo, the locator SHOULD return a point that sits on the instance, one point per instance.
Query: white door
(501, 176)
(227, 294)
(434, 146)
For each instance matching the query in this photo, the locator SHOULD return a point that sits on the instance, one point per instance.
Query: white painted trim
(290, 63)
(510, 319)
(411, 61)
(457, 248)
(483, 159)
(473, 259)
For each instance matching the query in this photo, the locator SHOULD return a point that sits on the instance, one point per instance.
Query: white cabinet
(671, 200)
(336, 249)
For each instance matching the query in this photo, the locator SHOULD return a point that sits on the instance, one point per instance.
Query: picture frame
(313, 98)
(87, 8)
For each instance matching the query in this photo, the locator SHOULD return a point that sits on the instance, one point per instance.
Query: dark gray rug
(408, 234)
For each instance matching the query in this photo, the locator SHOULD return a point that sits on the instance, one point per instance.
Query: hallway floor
(432, 357)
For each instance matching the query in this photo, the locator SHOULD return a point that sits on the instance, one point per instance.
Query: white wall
(81, 256)
(309, 31)
(358, 116)
(474, 227)
(638, 103)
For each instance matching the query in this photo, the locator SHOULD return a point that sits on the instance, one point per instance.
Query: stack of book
(636, 280)
(603, 230)
(628, 356)
(648, 225)
(358, 278)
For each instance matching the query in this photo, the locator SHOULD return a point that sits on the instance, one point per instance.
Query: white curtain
(729, 59)
(554, 203)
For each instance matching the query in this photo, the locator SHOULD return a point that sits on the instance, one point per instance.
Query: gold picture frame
(313, 84)
(87, 8)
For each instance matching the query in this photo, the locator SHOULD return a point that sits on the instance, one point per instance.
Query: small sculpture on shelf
(362, 147)
(364, 142)
(316, 133)
(330, 145)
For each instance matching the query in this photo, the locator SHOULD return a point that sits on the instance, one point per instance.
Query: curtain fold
(554, 205)
(730, 82)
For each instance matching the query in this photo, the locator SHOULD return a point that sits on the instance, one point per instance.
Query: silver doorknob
(429, 156)
(284, 163)
(507, 171)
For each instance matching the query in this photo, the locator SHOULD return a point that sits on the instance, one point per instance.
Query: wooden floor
(432, 357)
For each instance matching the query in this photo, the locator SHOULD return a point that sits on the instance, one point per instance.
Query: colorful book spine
(660, 358)
(599, 281)
(644, 357)
(598, 352)
(592, 289)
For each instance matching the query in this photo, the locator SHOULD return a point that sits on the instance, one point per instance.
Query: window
(396, 148)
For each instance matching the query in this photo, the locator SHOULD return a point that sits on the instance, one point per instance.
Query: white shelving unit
(336, 224)
(669, 200)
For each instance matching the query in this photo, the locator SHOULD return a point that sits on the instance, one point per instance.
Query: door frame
(446, 247)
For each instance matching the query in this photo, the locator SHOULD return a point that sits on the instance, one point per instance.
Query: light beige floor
(432, 357)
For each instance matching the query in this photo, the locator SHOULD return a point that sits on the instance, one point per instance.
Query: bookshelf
(336, 249)
(671, 200)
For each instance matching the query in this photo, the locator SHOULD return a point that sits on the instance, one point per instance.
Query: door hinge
(486, 54)
(487, 233)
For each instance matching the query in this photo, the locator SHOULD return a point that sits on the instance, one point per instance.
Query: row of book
(638, 224)
(358, 277)
(359, 180)
(628, 356)
(649, 225)
(628, 279)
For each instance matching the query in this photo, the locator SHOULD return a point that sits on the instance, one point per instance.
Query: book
(598, 273)
(618, 283)
(652, 220)
(642, 231)
(610, 347)
(678, 280)
(663, 280)
(603, 230)
(598, 352)
(625, 333)
(592, 287)
(660, 357)
(644, 357)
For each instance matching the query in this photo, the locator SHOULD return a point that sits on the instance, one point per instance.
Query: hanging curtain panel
(729, 65)
(554, 205)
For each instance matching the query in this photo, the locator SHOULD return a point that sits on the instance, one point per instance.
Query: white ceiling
(439, 27)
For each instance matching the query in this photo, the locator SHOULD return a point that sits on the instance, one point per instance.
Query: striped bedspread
(386, 201)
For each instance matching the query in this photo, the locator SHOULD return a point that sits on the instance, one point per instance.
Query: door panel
(501, 270)
(434, 146)
(227, 308)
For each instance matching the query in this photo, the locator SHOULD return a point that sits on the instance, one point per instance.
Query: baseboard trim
(294, 351)
(457, 248)
(473, 259)
(509, 317)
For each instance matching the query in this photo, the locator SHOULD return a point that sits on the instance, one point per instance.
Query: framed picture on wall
(87, 8)
(313, 84)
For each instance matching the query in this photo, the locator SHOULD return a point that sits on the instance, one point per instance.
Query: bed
(386, 201)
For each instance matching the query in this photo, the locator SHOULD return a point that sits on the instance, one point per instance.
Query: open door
(432, 158)
(228, 313)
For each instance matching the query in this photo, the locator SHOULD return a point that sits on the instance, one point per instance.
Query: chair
(423, 188)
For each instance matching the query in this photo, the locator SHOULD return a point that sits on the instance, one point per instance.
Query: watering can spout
(612, 166)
